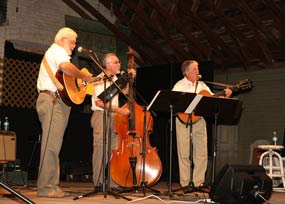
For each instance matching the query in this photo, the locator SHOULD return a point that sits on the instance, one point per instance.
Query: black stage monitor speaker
(241, 184)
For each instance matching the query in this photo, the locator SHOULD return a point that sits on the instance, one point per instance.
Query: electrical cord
(173, 201)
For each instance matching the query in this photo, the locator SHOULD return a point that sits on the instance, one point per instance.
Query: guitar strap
(57, 83)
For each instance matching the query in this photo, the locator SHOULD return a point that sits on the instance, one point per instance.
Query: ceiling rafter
(230, 33)
(265, 51)
(77, 9)
(181, 53)
(116, 30)
(198, 51)
(251, 45)
(157, 27)
(277, 15)
(195, 5)
(235, 35)
(261, 48)
(275, 9)
(256, 22)
(217, 44)
(136, 30)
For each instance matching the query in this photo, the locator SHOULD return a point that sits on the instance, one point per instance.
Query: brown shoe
(53, 193)
(203, 188)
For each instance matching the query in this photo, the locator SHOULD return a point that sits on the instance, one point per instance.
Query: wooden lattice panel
(19, 80)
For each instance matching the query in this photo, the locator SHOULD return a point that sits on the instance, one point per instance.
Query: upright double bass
(135, 160)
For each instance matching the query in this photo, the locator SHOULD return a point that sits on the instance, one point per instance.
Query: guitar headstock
(243, 85)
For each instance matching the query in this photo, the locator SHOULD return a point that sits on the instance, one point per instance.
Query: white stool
(275, 167)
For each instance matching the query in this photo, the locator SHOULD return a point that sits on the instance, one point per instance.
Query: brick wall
(33, 21)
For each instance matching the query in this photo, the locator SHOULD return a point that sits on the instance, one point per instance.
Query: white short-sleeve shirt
(54, 56)
(184, 85)
(98, 89)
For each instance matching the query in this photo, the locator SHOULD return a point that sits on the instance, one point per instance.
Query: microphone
(121, 72)
(82, 49)
(199, 77)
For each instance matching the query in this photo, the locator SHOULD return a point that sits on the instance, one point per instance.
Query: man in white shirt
(53, 113)
(190, 83)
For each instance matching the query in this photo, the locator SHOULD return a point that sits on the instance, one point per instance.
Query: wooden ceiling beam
(179, 52)
(277, 15)
(257, 23)
(158, 28)
(137, 31)
(77, 9)
(275, 10)
(198, 51)
(116, 30)
(240, 33)
(216, 45)
(266, 54)
(265, 51)
(195, 5)
(236, 37)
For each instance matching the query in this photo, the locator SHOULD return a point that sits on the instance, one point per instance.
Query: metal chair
(272, 162)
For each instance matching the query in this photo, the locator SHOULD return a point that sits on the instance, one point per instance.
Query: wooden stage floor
(75, 189)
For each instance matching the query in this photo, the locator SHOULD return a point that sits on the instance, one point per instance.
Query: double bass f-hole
(135, 160)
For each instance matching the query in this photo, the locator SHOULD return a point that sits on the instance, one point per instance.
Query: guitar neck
(220, 93)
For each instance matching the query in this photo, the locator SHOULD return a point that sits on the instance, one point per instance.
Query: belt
(54, 94)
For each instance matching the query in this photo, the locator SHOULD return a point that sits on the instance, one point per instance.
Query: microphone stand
(18, 195)
(105, 186)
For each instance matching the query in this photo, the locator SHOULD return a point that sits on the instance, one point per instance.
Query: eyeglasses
(115, 62)
(73, 42)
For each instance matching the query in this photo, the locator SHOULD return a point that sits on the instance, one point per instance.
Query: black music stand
(173, 101)
(224, 111)
(113, 89)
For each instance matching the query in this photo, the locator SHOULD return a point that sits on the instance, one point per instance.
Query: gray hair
(64, 32)
(185, 65)
(106, 56)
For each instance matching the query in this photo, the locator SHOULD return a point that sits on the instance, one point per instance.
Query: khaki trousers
(97, 125)
(53, 116)
(200, 152)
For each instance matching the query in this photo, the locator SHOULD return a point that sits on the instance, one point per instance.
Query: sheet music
(194, 103)
(154, 98)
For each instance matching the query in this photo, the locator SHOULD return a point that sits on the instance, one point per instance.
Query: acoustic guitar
(243, 85)
(75, 89)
